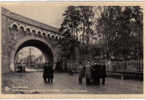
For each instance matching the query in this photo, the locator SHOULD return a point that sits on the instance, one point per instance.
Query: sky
(50, 15)
(26, 52)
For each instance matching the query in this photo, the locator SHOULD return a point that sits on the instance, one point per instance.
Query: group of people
(93, 74)
(48, 73)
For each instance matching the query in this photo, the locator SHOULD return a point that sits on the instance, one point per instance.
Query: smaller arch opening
(48, 35)
(28, 30)
(44, 34)
(15, 27)
(52, 36)
(33, 31)
(22, 29)
(39, 33)
(56, 38)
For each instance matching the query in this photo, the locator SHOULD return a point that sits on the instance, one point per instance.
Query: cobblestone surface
(32, 82)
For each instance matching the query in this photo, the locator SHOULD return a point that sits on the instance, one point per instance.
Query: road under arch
(42, 45)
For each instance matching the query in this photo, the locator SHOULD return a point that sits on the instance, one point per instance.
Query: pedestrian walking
(46, 73)
(88, 74)
(81, 73)
(51, 72)
(103, 73)
(96, 74)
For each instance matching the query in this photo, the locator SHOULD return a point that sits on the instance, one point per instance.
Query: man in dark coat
(97, 72)
(103, 73)
(46, 73)
(51, 72)
(81, 74)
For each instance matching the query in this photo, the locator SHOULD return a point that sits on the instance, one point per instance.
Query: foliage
(76, 24)
(122, 28)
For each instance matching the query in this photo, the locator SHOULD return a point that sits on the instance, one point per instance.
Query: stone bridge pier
(19, 32)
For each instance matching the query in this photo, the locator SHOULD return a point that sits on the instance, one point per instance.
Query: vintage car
(94, 73)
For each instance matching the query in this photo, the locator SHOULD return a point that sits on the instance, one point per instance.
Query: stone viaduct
(19, 32)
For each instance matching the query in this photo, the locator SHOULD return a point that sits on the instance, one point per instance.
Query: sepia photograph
(72, 49)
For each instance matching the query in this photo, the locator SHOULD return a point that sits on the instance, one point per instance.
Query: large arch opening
(30, 58)
(42, 45)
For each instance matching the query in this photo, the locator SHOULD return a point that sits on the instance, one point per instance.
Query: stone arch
(23, 43)
(15, 26)
(52, 36)
(48, 35)
(39, 33)
(28, 30)
(44, 34)
(33, 31)
(57, 37)
(21, 28)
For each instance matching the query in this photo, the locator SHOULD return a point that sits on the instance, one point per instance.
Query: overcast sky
(51, 15)
(26, 52)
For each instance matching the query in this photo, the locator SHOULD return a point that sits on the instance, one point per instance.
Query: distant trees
(76, 27)
(121, 27)
(123, 30)
(78, 21)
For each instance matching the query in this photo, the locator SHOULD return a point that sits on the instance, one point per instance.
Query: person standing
(51, 74)
(103, 74)
(46, 73)
(96, 74)
(88, 74)
(81, 73)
